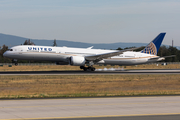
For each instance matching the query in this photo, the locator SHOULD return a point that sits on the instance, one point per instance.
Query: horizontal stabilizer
(163, 57)
(169, 56)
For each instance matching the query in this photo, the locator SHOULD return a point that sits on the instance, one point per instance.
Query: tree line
(163, 51)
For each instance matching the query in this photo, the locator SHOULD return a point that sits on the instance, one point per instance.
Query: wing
(100, 57)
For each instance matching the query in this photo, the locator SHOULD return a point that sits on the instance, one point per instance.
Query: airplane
(87, 57)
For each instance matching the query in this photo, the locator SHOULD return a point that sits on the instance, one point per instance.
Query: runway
(102, 72)
(126, 108)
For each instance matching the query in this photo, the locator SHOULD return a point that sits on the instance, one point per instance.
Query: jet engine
(77, 61)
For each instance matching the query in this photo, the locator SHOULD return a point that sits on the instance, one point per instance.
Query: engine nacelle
(77, 61)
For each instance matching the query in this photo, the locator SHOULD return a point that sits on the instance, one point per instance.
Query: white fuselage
(62, 54)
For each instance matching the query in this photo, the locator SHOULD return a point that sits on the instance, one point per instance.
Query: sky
(92, 21)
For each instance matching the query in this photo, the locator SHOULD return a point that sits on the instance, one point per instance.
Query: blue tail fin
(153, 47)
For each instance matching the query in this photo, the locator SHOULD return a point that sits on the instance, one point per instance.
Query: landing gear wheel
(15, 62)
(82, 67)
(87, 68)
(93, 69)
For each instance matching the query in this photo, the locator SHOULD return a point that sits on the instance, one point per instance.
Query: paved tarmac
(161, 107)
(99, 72)
(153, 117)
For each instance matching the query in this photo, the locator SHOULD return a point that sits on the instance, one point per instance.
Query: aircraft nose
(5, 54)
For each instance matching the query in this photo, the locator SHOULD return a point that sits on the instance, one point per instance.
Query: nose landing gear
(15, 62)
(89, 68)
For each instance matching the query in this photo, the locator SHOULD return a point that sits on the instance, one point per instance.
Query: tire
(82, 67)
(85, 69)
(93, 69)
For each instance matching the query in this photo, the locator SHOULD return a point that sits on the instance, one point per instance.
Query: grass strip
(32, 86)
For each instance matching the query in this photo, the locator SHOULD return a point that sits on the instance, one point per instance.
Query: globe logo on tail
(150, 49)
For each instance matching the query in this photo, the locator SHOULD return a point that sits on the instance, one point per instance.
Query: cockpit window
(11, 50)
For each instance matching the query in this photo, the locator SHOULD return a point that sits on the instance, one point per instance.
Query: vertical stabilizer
(153, 47)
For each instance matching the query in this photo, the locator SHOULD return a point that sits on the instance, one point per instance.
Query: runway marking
(93, 116)
(90, 105)
(127, 73)
(124, 97)
(79, 72)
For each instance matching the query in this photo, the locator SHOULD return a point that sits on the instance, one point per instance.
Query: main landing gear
(89, 68)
